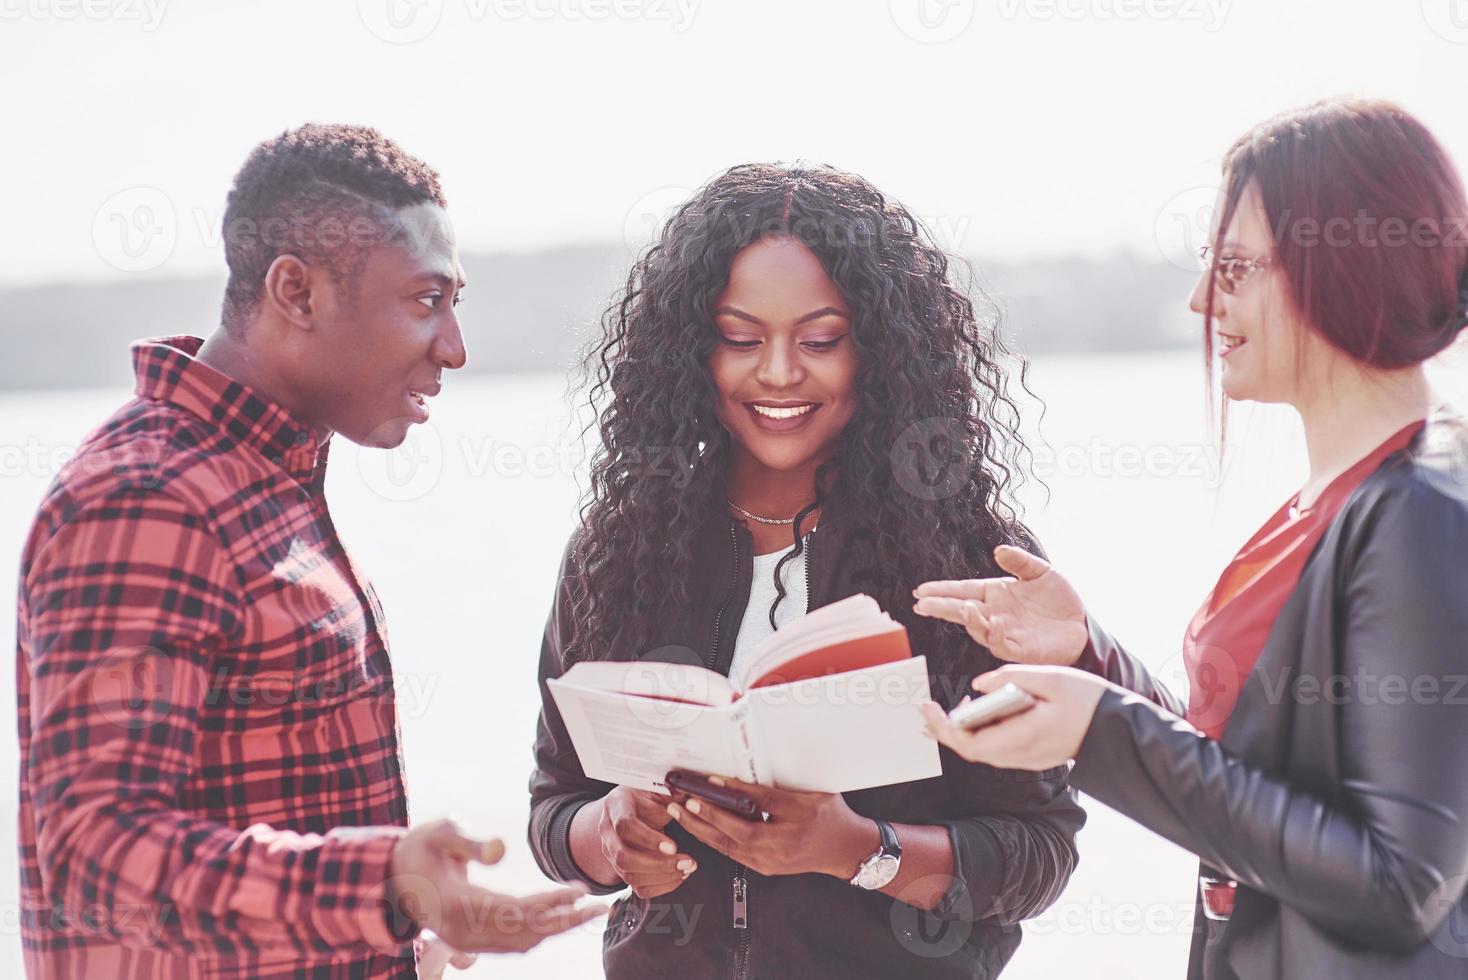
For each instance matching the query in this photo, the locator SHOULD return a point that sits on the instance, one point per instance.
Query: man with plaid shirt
(211, 776)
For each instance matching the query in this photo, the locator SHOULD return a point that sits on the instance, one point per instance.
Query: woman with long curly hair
(796, 403)
(1316, 766)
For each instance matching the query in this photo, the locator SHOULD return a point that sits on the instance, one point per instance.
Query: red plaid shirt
(206, 702)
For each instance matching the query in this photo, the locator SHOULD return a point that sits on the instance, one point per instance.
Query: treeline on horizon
(535, 311)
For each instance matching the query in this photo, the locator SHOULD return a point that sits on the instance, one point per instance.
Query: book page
(848, 731)
(653, 679)
(634, 741)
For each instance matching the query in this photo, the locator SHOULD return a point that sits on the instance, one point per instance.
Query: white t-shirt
(756, 623)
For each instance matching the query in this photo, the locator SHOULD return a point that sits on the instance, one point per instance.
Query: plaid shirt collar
(168, 370)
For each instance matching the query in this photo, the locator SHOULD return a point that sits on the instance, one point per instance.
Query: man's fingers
(435, 955)
(448, 838)
(1020, 563)
(554, 898)
(562, 920)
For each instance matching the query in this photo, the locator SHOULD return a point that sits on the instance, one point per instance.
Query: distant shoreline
(533, 311)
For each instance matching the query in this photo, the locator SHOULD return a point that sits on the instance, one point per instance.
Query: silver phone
(995, 706)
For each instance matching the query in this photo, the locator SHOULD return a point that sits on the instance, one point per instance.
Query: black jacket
(1013, 833)
(1337, 796)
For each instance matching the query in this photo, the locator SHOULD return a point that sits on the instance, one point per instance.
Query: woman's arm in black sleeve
(558, 786)
(1369, 867)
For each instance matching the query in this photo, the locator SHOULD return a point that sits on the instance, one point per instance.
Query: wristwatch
(878, 870)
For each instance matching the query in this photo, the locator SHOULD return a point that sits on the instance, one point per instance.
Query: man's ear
(288, 290)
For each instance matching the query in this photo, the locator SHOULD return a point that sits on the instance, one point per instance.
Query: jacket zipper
(741, 878)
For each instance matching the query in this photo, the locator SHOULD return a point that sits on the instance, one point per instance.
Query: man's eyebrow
(441, 279)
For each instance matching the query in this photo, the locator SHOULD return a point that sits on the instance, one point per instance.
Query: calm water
(462, 530)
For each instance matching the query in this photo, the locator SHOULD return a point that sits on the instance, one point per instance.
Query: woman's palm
(1035, 617)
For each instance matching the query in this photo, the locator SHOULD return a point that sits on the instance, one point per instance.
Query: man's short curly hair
(326, 193)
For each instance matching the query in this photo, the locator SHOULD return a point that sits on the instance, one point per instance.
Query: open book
(828, 703)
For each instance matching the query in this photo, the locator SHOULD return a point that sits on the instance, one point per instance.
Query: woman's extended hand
(1034, 617)
(805, 832)
(1047, 735)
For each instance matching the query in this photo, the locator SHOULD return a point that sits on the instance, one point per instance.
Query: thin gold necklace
(763, 520)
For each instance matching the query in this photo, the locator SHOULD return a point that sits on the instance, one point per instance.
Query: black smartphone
(698, 785)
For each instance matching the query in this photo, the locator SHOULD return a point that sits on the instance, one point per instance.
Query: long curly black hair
(925, 471)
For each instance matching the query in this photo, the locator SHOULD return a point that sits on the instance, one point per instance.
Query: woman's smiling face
(1267, 350)
(784, 363)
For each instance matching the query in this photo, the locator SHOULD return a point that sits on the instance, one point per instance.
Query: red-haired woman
(1317, 768)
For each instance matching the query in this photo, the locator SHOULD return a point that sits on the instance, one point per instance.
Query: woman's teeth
(782, 413)
(1230, 341)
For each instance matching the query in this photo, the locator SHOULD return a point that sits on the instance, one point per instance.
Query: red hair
(1369, 222)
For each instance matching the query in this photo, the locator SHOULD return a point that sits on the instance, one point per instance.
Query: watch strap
(890, 844)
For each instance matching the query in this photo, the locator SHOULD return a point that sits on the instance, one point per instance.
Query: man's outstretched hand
(429, 882)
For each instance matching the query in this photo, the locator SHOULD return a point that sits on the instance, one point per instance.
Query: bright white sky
(1042, 127)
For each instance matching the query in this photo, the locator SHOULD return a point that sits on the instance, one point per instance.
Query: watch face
(879, 873)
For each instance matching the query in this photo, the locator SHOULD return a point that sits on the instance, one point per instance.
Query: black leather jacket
(1337, 796)
(1013, 833)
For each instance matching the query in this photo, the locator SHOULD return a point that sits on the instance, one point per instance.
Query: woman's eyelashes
(740, 343)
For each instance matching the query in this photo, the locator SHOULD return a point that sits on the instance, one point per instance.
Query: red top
(206, 703)
(1226, 636)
